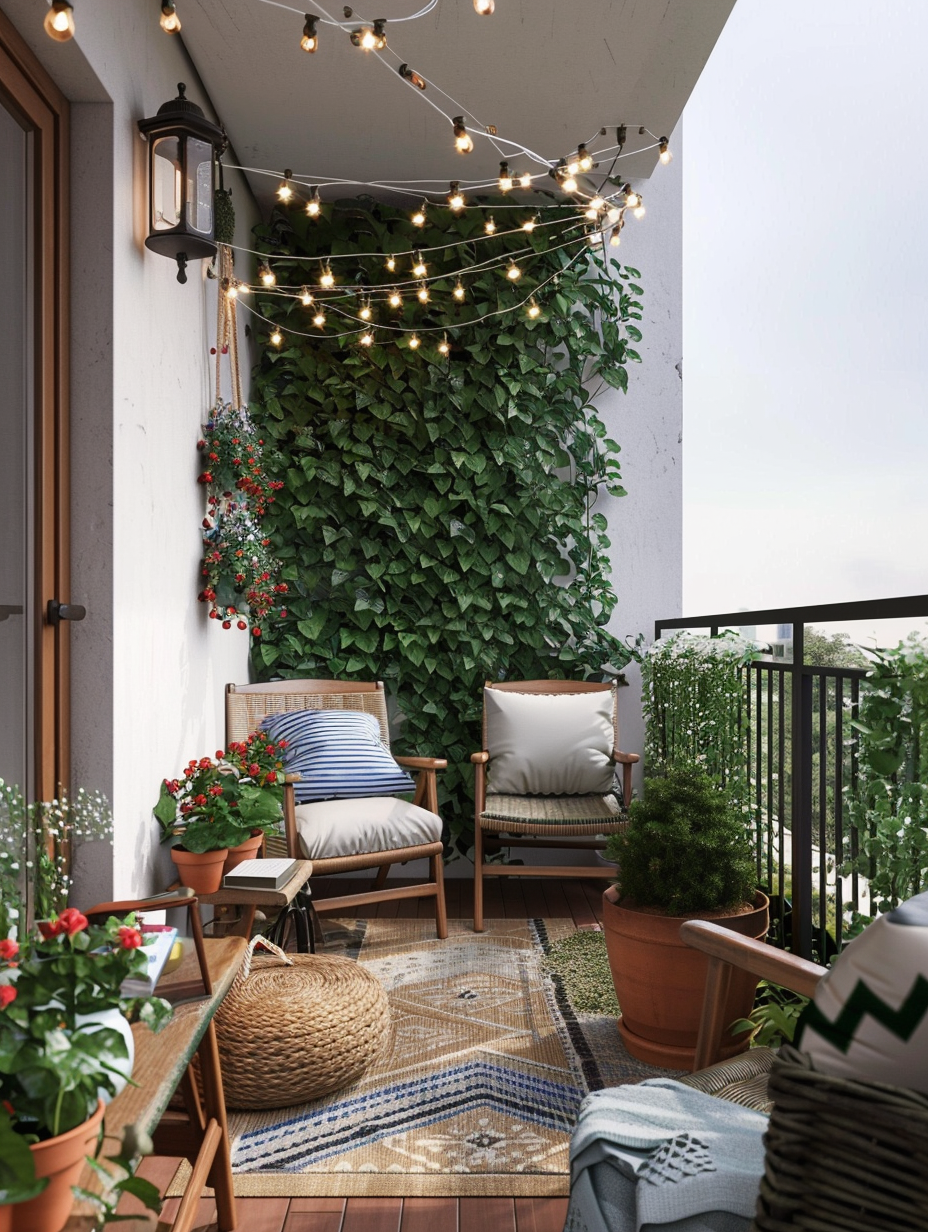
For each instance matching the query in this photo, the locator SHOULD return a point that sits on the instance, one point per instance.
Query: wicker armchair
(545, 821)
(248, 704)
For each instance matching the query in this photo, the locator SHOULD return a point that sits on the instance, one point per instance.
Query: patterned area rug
(477, 1095)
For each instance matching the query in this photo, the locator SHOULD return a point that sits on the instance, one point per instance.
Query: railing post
(801, 759)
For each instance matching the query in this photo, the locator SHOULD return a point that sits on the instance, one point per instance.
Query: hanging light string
(355, 19)
(427, 329)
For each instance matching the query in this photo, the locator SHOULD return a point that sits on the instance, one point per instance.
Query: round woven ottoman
(291, 1033)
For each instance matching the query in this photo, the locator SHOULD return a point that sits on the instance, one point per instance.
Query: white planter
(114, 1020)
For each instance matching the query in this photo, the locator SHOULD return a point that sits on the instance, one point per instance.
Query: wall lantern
(183, 149)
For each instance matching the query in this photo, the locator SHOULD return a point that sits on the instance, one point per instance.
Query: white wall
(148, 666)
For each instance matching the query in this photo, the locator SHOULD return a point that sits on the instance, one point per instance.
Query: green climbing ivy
(434, 506)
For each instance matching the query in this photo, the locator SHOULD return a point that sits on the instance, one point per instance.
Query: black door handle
(56, 611)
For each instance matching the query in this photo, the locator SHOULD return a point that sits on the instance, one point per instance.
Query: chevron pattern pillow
(338, 755)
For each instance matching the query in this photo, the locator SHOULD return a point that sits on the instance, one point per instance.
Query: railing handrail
(863, 609)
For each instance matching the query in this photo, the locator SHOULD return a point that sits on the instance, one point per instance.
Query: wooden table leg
(220, 1174)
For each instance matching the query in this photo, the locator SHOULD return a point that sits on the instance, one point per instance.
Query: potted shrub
(218, 812)
(61, 1059)
(684, 856)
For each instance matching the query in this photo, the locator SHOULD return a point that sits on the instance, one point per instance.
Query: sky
(806, 308)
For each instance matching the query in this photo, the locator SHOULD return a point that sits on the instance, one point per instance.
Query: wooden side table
(161, 1064)
(250, 900)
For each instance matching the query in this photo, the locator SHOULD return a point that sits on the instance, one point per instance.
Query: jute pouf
(297, 1026)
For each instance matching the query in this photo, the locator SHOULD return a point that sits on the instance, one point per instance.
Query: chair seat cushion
(333, 828)
(550, 743)
(553, 814)
(742, 1079)
(338, 754)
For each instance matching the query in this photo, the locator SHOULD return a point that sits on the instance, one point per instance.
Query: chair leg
(478, 879)
(441, 912)
(381, 877)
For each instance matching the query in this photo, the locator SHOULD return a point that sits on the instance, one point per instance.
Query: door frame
(29, 93)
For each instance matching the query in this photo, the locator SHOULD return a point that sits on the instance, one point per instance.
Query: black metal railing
(801, 764)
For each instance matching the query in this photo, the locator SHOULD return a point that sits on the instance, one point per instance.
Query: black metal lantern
(182, 154)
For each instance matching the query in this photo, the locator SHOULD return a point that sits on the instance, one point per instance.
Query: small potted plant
(62, 1057)
(685, 855)
(218, 812)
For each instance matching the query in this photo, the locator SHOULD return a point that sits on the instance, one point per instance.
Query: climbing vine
(433, 506)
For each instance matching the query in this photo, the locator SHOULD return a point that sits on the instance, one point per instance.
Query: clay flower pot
(201, 871)
(660, 981)
(61, 1159)
(249, 850)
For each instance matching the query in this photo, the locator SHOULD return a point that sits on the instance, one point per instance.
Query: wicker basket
(842, 1156)
(291, 1033)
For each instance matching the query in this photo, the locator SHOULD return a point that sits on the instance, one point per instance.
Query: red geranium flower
(72, 921)
(8, 948)
(7, 995)
(271, 776)
(129, 938)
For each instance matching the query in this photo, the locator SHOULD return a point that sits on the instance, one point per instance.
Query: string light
(594, 208)
(584, 158)
(284, 189)
(530, 223)
(365, 313)
(419, 218)
(639, 210)
(505, 178)
(443, 346)
(414, 342)
(489, 226)
(484, 7)
(367, 338)
(267, 275)
(665, 154)
(314, 205)
(631, 197)
(59, 21)
(230, 288)
(395, 298)
(390, 264)
(573, 167)
(458, 291)
(423, 294)
(463, 141)
(327, 278)
(369, 39)
(456, 198)
(569, 185)
(525, 180)
(513, 273)
(319, 319)
(306, 297)
(276, 338)
(169, 21)
(615, 239)
(533, 310)
(419, 267)
(410, 75)
(310, 40)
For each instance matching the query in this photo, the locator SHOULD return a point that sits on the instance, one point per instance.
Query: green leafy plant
(685, 850)
(220, 803)
(434, 506)
(119, 1178)
(773, 1020)
(18, 1182)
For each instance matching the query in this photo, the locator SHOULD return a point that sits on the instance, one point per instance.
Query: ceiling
(547, 73)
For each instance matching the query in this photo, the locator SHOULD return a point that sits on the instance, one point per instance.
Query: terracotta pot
(61, 1159)
(6, 1219)
(249, 850)
(660, 981)
(202, 871)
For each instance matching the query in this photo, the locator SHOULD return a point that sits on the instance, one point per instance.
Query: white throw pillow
(550, 744)
(333, 828)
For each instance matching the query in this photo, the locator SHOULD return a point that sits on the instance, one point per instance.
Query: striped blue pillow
(338, 754)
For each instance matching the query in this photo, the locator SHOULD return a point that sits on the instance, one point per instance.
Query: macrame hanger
(227, 330)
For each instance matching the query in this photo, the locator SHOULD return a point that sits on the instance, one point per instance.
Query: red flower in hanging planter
(242, 624)
(256, 632)
(7, 995)
(8, 948)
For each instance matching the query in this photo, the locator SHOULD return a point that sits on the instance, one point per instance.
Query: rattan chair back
(248, 704)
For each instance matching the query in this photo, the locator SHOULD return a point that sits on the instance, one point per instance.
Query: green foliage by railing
(693, 701)
(891, 805)
(431, 504)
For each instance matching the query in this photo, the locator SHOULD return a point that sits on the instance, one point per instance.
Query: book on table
(260, 875)
(161, 946)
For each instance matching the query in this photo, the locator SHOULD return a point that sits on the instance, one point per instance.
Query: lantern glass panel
(166, 184)
(200, 185)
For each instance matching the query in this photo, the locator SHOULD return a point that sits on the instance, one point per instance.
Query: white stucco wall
(148, 666)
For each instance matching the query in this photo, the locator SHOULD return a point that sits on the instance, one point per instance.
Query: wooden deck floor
(506, 898)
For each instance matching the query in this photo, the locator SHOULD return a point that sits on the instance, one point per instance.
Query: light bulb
(591, 213)
(614, 214)
(423, 294)
(505, 178)
(284, 191)
(59, 21)
(413, 342)
(513, 273)
(419, 268)
(364, 38)
(456, 197)
(569, 185)
(310, 39)
(597, 204)
(573, 167)
(306, 297)
(276, 338)
(533, 310)
(665, 154)
(170, 22)
(584, 159)
(242, 287)
(484, 7)
(631, 198)
(268, 276)
(319, 319)
(365, 313)
(463, 142)
(489, 226)
(314, 205)
(525, 180)
(230, 289)
(529, 224)
(380, 36)
(615, 239)
(327, 279)
(395, 299)
(390, 264)
(366, 338)
(443, 346)
(458, 291)
(410, 75)
(639, 211)
(419, 218)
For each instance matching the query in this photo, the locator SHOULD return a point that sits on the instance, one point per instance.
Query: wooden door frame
(29, 93)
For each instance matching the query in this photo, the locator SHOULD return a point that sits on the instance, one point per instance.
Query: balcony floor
(505, 898)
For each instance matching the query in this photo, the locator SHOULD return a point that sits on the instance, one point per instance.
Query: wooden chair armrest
(765, 961)
(422, 763)
(181, 897)
(625, 759)
(292, 778)
(480, 759)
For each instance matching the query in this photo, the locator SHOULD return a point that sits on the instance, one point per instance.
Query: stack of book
(259, 875)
